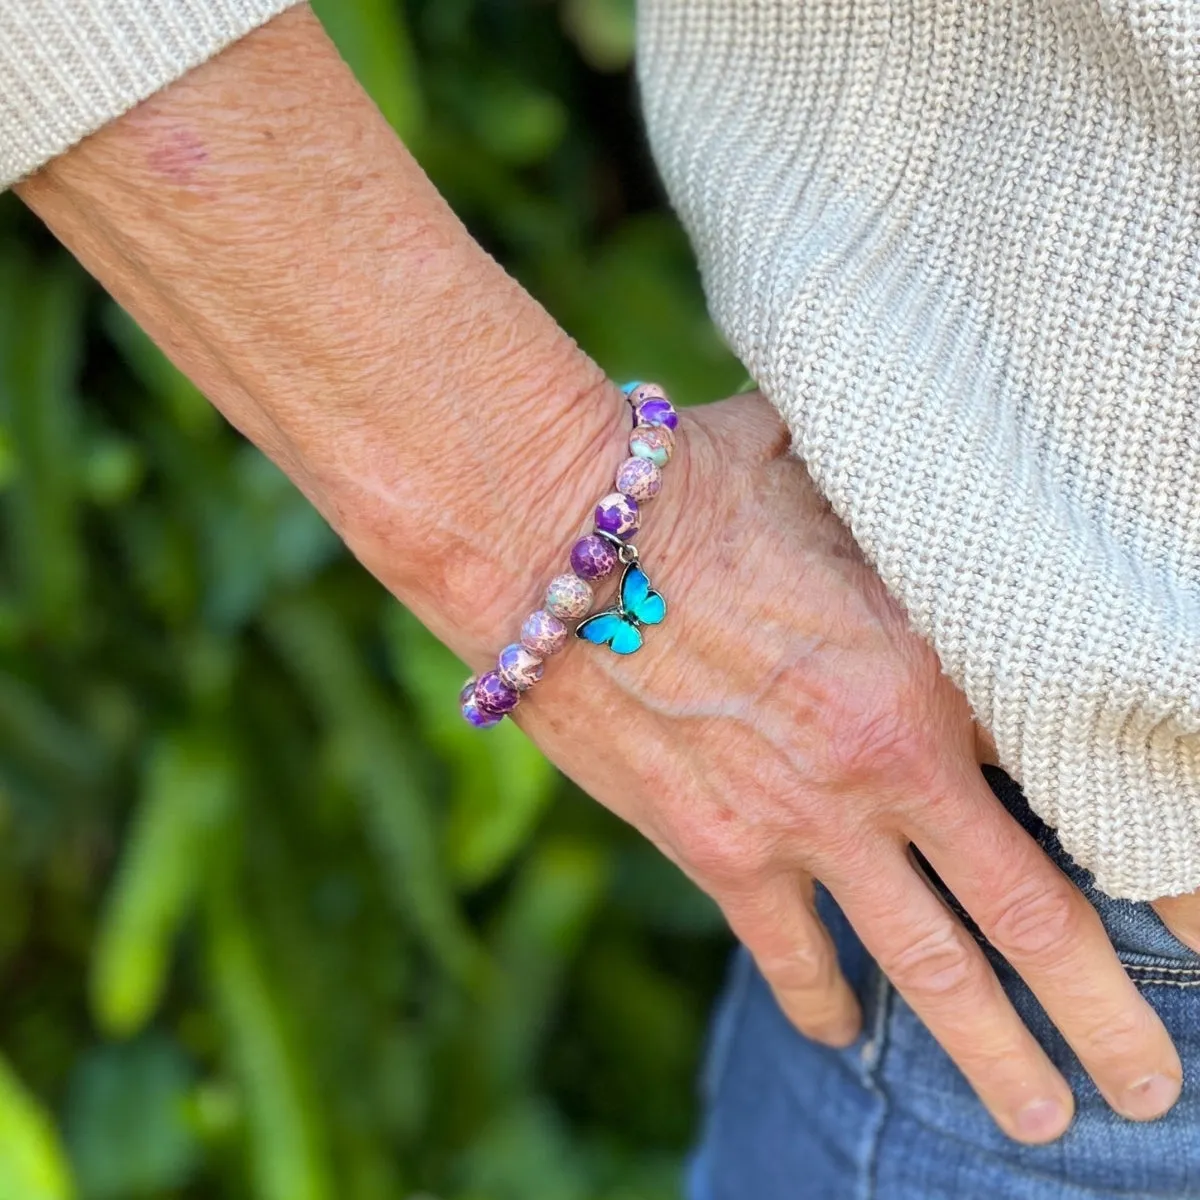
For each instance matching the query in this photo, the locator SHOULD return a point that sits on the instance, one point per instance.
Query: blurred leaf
(188, 409)
(502, 783)
(516, 121)
(379, 759)
(127, 1120)
(42, 315)
(500, 792)
(112, 470)
(538, 932)
(526, 1154)
(287, 1158)
(603, 30)
(658, 895)
(188, 794)
(9, 464)
(32, 1163)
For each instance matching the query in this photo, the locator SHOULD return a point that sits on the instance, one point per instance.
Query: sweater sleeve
(959, 247)
(67, 67)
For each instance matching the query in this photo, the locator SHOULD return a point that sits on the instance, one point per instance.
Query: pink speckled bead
(519, 667)
(639, 478)
(543, 633)
(647, 391)
(569, 597)
(652, 442)
(618, 516)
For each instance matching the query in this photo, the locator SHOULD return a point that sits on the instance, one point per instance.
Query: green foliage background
(274, 924)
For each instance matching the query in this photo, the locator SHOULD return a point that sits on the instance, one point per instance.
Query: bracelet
(485, 700)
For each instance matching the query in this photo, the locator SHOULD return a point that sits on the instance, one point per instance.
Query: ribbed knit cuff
(68, 68)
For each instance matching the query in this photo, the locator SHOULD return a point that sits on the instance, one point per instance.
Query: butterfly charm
(620, 628)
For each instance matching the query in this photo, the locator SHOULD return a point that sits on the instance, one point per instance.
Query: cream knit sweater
(958, 243)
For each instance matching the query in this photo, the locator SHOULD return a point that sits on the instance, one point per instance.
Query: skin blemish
(178, 157)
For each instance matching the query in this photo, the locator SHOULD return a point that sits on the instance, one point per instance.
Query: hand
(264, 225)
(785, 723)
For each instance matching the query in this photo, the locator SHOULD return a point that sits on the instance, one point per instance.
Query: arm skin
(294, 261)
(265, 226)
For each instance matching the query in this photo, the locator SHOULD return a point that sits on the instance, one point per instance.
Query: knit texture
(959, 247)
(67, 67)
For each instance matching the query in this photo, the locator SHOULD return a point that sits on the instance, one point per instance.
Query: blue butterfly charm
(620, 628)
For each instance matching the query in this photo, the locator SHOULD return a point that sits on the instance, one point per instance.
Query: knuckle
(1119, 1032)
(806, 970)
(723, 855)
(873, 737)
(937, 965)
(1037, 922)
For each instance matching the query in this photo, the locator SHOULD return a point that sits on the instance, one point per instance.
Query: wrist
(305, 274)
(475, 555)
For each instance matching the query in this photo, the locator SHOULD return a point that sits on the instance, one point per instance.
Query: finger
(1181, 915)
(1032, 913)
(934, 963)
(778, 924)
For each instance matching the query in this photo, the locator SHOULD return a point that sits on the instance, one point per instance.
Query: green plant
(273, 923)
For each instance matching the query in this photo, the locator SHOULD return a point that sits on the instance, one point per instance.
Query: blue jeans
(892, 1119)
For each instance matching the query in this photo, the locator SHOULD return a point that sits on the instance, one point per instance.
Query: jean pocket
(1148, 950)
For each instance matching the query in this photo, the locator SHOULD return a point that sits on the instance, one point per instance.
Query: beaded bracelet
(486, 700)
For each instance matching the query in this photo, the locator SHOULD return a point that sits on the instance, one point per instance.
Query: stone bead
(618, 516)
(593, 557)
(652, 442)
(569, 597)
(658, 410)
(519, 667)
(639, 392)
(639, 478)
(472, 713)
(543, 633)
(494, 696)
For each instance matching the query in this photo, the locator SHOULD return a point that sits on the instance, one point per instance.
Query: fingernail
(1149, 1097)
(1041, 1121)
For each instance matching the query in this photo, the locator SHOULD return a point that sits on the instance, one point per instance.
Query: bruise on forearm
(264, 224)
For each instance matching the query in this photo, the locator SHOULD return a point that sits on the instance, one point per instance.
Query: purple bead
(471, 711)
(639, 478)
(618, 515)
(657, 411)
(593, 557)
(494, 696)
(519, 667)
(636, 394)
(543, 633)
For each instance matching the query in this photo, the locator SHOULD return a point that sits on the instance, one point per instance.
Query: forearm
(266, 227)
